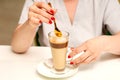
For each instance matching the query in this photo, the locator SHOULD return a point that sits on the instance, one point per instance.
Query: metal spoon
(57, 31)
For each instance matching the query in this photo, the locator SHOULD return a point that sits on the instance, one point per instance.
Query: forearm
(112, 44)
(23, 37)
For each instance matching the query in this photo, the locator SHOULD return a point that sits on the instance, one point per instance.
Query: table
(23, 66)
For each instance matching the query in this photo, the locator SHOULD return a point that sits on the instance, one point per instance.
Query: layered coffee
(59, 50)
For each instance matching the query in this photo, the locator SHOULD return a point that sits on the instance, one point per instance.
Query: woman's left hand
(92, 50)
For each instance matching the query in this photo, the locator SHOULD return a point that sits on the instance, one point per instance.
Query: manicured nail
(51, 11)
(40, 21)
(71, 63)
(52, 18)
(50, 22)
(69, 56)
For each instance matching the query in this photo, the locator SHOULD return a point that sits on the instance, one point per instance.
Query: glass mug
(59, 47)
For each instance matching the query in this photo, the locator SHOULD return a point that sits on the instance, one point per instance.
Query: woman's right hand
(40, 12)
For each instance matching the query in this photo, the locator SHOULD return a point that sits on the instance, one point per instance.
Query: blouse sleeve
(24, 14)
(112, 16)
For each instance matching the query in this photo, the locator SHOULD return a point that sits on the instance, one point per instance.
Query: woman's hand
(40, 12)
(92, 50)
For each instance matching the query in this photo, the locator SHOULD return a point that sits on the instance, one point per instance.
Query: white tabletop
(23, 66)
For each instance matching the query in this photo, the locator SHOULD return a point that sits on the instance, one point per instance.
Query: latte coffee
(59, 50)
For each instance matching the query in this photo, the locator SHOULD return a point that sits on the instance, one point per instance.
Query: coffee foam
(58, 39)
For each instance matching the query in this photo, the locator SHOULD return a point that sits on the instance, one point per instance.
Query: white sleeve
(24, 14)
(112, 16)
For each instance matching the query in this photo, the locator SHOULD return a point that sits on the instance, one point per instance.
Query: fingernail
(50, 22)
(52, 18)
(69, 56)
(52, 11)
(40, 21)
(71, 63)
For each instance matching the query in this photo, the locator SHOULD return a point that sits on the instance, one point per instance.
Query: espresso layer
(58, 45)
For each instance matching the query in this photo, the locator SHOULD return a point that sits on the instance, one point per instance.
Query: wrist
(107, 43)
(32, 25)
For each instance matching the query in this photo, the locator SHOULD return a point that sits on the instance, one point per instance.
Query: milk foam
(58, 39)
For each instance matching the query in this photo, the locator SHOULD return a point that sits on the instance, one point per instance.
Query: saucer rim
(73, 72)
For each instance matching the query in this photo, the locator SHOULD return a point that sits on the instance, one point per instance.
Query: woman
(83, 19)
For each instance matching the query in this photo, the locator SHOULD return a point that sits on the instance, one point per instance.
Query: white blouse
(90, 16)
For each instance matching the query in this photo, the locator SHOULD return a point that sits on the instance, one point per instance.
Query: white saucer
(47, 72)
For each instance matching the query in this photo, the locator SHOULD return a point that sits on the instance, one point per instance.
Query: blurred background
(10, 11)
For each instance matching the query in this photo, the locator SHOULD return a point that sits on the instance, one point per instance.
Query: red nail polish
(50, 22)
(69, 56)
(51, 11)
(71, 63)
(40, 21)
(52, 18)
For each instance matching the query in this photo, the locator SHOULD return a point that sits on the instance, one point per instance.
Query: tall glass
(59, 46)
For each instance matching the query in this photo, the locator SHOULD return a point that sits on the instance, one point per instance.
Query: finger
(89, 59)
(74, 55)
(34, 21)
(86, 62)
(81, 48)
(45, 6)
(81, 58)
(41, 12)
(78, 50)
(71, 54)
(41, 18)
